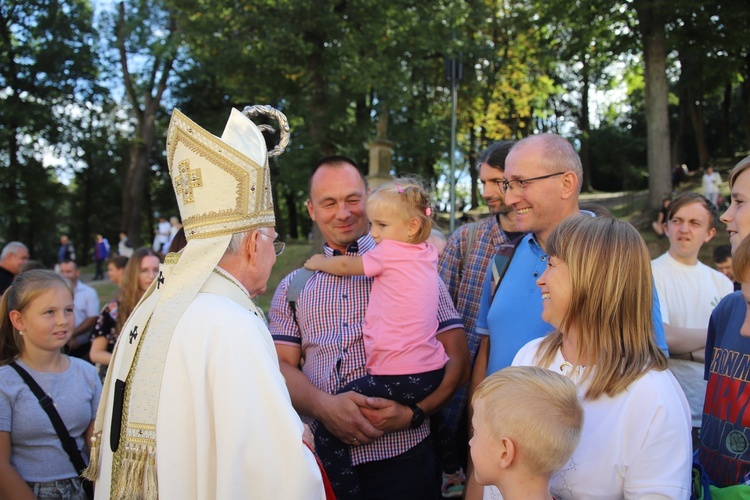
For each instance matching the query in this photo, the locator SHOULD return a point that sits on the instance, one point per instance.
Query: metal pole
(454, 98)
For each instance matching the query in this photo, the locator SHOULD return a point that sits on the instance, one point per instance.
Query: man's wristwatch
(418, 417)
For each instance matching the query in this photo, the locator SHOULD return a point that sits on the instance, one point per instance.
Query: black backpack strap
(470, 237)
(68, 443)
(299, 280)
(501, 261)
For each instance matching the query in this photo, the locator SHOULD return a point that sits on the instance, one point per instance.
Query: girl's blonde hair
(407, 198)
(131, 291)
(610, 306)
(25, 288)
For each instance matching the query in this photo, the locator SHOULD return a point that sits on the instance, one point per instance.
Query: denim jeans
(64, 489)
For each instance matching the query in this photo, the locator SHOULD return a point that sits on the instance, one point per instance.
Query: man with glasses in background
(543, 177)
(463, 267)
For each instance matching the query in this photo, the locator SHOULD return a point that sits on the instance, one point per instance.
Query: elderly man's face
(257, 281)
(15, 261)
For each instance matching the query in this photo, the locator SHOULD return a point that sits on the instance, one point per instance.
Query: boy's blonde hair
(538, 410)
(407, 198)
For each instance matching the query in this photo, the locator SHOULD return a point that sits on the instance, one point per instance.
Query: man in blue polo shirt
(543, 176)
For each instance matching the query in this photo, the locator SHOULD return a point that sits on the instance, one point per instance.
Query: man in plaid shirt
(463, 264)
(320, 349)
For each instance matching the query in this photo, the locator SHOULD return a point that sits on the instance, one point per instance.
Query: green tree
(46, 54)
(148, 43)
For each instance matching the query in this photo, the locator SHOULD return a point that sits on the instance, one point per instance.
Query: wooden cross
(188, 180)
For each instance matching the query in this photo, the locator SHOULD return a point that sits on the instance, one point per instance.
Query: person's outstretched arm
(340, 265)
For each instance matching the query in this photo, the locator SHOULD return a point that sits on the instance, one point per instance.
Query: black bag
(68, 443)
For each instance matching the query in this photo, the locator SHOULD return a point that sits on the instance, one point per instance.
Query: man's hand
(387, 415)
(343, 417)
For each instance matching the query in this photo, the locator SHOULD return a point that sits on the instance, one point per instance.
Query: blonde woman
(140, 271)
(597, 293)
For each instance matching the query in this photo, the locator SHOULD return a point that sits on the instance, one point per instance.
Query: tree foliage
(335, 67)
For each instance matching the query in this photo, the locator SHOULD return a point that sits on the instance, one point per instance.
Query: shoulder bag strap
(296, 286)
(68, 443)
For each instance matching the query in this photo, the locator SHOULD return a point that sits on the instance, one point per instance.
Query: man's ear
(310, 212)
(250, 246)
(711, 234)
(570, 184)
(506, 452)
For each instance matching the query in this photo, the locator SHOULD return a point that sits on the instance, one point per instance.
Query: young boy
(723, 263)
(724, 452)
(527, 423)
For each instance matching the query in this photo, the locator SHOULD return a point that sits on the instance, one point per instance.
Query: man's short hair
(543, 419)
(12, 248)
(688, 198)
(68, 261)
(556, 154)
(334, 161)
(119, 261)
(722, 253)
(495, 154)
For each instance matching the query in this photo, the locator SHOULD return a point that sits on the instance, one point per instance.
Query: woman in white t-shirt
(597, 293)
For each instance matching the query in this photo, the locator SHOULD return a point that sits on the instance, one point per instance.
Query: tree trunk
(653, 35)
(678, 155)
(726, 124)
(745, 96)
(696, 117)
(135, 189)
(585, 127)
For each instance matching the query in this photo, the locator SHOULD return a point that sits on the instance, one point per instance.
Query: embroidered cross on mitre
(187, 180)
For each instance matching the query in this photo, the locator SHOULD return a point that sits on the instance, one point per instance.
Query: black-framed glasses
(278, 246)
(514, 184)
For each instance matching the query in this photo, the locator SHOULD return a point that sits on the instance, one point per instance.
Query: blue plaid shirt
(465, 287)
(330, 312)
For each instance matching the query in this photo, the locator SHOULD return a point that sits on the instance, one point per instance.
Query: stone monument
(381, 151)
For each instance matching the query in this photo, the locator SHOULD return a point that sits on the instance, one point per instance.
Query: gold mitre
(223, 186)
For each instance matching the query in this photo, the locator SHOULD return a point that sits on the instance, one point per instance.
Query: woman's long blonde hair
(611, 302)
(131, 292)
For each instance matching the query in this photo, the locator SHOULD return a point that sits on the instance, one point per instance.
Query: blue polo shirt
(514, 317)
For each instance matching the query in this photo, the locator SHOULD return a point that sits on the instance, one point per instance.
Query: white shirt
(85, 302)
(633, 445)
(688, 296)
